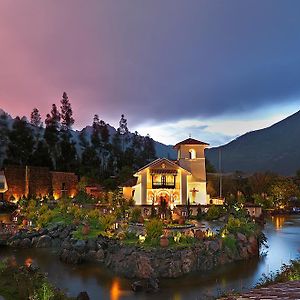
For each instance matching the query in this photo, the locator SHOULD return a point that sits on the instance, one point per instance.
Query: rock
(152, 285)
(91, 245)
(90, 256)
(143, 267)
(25, 243)
(56, 243)
(214, 246)
(100, 255)
(244, 252)
(80, 246)
(66, 245)
(44, 241)
(34, 241)
(64, 234)
(137, 286)
(70, 257)
(83, 296)
(241, 237)
(15, 243)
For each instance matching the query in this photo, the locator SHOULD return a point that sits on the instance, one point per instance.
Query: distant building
(175, 182)
(254, 210)
(38, 181)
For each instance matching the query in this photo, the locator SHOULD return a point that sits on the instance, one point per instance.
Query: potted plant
(86, 229)
(164, 241)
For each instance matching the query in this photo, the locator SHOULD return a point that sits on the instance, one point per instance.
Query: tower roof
(190, 141)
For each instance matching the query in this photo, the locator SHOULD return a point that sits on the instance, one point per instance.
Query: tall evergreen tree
(3, 136)
(51, 133)
(20, 144)
(41, 156)
(35, 118)
(66, 113)
(149, 148)
(123, 131)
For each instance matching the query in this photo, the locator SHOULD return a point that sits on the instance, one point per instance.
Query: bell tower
(190, 156)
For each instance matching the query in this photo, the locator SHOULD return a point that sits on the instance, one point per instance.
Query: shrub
(106, 221)
(230, 243)
(242, 225)
(136, 214)
(154, 229)
(45, 292)
(215, 212)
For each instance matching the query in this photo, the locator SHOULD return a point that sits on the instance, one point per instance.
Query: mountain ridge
(274, 149)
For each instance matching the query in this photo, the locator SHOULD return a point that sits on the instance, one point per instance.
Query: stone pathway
(282, 291)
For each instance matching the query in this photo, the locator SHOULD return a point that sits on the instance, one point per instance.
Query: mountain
(275, 148)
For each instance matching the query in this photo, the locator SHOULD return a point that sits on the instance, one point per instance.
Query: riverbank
(284, 284)
(26, 282)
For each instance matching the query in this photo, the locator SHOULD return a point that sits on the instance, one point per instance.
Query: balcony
(163, 185)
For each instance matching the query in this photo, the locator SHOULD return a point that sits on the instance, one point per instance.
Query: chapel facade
(174, 182)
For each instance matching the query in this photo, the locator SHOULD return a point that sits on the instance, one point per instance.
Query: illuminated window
(192, 154)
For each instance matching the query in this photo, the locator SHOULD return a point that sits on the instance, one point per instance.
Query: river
(283, 241)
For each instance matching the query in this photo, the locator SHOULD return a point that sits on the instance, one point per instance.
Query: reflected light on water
(115, 290)
(279, 221)
(177, 296)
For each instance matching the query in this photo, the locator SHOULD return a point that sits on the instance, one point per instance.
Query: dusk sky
(215, 69)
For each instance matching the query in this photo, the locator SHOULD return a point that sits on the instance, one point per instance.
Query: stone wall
(136, 261)
(38, 181)
(64, 181)
(15, 177)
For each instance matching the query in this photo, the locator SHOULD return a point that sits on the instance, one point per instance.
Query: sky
(212, 69)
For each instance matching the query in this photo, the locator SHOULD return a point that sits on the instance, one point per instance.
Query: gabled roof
(190, 141)
(160, 161)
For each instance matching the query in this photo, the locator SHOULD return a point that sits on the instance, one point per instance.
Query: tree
(123, 130)
(51, 133)
(283, 190)
(41, 156)
(149, 148)
(35, 118)
(66, 113)
(20, 143)
(3, 136)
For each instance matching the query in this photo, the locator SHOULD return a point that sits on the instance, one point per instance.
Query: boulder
(91, 244)
(137, 286)
(44, 241)
(100, 255)
(80, 246)
(143, 267)
(152, 285)
(241, 237)
(25, 243)
(70, 257)
(214, 246)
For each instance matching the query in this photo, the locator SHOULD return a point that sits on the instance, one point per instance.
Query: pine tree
(149, 148)
(20, 144)
(3, 137)
(41, 156)
(123, 131)
(35, 118)
(95, 139)
(51, 134)
(66, 113)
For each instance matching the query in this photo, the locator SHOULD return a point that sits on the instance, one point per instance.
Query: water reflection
(283, 241)
(279, 221)
(115, 291)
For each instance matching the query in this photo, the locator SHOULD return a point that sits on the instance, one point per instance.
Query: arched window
(192, 154)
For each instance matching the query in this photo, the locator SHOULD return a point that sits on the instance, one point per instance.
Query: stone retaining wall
(136, 261)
